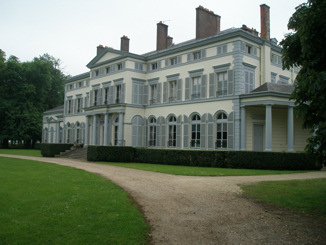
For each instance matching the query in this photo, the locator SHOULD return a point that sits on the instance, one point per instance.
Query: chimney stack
(207, 23)
(99, 49)
(124, 44)
(162, 36)
(264, 22)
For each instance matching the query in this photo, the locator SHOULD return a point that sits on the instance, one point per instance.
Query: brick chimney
(264, 22)
(99, 49)
(207, 23)
(162, 36)
(170, 41)
(124, 44)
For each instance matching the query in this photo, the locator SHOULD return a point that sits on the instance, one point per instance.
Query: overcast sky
(70, 30)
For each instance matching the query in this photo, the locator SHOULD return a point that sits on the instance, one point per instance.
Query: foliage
(304, 48)
(43, 203)
(50, 150)
(224, 159)
(306, 196)
(27, 89)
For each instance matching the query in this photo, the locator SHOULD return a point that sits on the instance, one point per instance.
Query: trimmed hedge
(221, 159)
(50, 150)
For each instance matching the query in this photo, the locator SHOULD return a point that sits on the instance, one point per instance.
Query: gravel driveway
(207, 210)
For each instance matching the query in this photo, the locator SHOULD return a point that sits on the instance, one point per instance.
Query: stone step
(77, 153)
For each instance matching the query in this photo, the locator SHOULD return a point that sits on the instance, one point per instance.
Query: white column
(120, 129)
(290, 129)
(57, 130)
(94, 130)
(268, 128)
(110, 130)
(243, 129)
(86, 131)
(106, 116)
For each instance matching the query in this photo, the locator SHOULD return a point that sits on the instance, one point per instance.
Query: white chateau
(221, 90)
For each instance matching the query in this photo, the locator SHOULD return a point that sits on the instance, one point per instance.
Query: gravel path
(207, 210)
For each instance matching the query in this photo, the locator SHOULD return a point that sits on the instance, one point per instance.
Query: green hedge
(222, 159)
(50, 150)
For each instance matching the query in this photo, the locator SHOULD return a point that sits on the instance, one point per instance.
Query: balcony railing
(153, 101)
(221, 144)
(152, 143)
(172, 99)
(195, 143)
(195, 96)
(117, 101)
(171, 143)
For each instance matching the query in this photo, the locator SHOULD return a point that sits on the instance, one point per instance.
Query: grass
(199, 171)
(306, 196)
(42, 203)
(22, 152)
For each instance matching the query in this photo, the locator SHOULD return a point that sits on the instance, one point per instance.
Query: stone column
(268, 128)
(86, 131)
(94, 130)
(120, 129)
(105, 131)
(243, 128)
(290, 129)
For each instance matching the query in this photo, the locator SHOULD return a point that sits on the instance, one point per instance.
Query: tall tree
(305, 48)
(27, 90)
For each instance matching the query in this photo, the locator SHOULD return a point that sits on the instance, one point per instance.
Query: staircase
(74, 153)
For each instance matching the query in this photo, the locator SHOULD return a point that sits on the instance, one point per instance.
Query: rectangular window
(222, 49)
(106, 96)
(95, 97)
(79, 104)
(222, 84)
(108, 69)
(71, 86)
(69, 106)
(153, 99)
(172, 91)
(152, 135)
(79, 84)
(173, 61)
(97, 72)
(248, 49)
(197, 55)
(249, 81)
(196, 86)
(154, 66)
(118, 94)
(119, 66)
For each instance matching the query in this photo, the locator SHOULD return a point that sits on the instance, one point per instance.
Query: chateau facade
(221, 90)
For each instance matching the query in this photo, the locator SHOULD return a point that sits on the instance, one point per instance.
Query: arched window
(195, 131)
(51, 135)
(137, 131)
(221, 131)
(116, 128)
(152, 132)
(77, 132)
(172, 132)
(68, 133)
(46, 135)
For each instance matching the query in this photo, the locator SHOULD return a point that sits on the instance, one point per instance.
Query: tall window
(95, 96)
(172, 132)
(222, 84)
(68, 133)
(78, 133)
(79, 100)
(173, 91)
(196, 84)
(106, 96)
(118, 94)
(221, 131)
(249, 80)
(195, 131)
(153, 99)
(69, 106)
(116, 128)
(152, 132)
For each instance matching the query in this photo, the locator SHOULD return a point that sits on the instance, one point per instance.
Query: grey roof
(59, 108)
(275, 87)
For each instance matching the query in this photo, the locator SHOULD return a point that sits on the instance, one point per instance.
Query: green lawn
(22, 152)
(199, 171)
(42, 203)
(306, 196)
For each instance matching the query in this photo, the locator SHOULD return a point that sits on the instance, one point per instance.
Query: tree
(27, 90)
(305, 48)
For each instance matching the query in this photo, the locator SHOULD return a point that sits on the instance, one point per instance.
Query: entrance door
(258, 137)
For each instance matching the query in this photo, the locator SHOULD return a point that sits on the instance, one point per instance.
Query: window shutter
(123, 64)
(158, 131)
(178, 143)
(189, 56)
(91, 102)
(148, 67)
(111, 95)
(145, 97)
(123, 89)
(179, 92)
(255, 51)
(187, 89)
(185, 132)
(243, 47)
(166, 62)
(203, 132)
(203, 86)
(225, 49)
(230, 82)
(165, 92)
(212, 92)
(140, 132)
(210, 134)
(141, 94)
(203, 53)
(136, 66)
(159, 88)
(145, 127)
(159, 65)
(179, 59)
(163, 132)
(140, 66)
(134, 93)
(134, 132)
(112, 68)
(81, 104)
(230, 130)
(99, 97)
(219, 50)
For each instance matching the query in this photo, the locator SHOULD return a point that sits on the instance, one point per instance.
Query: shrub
(50, 150)
(110, 153)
